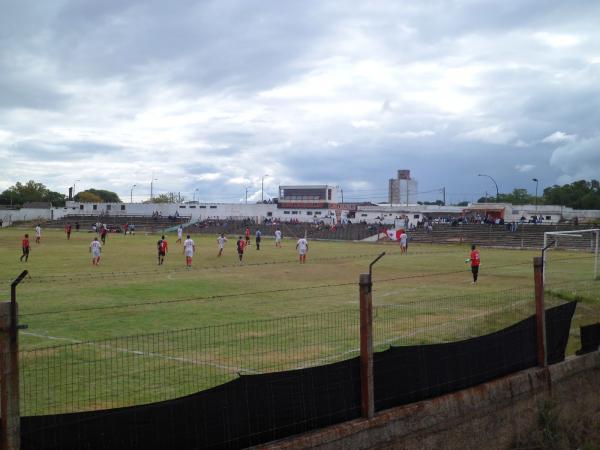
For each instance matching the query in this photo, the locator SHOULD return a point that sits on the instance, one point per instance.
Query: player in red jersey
(68, 229)
(247, 236)
(241, 245)
(162, 247)
(475, 262)
(25, 247)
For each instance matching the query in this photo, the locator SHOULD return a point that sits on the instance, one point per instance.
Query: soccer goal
(586, 241)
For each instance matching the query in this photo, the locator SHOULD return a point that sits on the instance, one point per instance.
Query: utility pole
(247, 195)
(444, 193)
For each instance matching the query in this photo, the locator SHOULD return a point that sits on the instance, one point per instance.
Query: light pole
(74, 184)
(131, 193)
(495, 184)
(152, 187)
(247, 195)
(536, 192)
(262, 188)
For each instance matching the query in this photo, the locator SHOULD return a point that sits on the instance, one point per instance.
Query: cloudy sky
(212, 95)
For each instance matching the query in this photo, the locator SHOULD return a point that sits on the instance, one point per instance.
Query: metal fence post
(540, 316)
(367, 402)
(9, 371)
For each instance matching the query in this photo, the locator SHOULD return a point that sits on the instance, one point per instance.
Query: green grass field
(231, 313)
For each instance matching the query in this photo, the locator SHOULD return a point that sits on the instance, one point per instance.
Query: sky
(209, 98)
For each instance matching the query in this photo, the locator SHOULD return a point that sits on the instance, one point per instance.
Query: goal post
(569, 239)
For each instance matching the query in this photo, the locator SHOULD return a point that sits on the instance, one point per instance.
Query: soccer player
(179, 234)
(247, 236)
(241, 245)
(125, 228)
(189, 247)
(38, 233)
(25, 247)
(68, 229)
(302, 246)
(221, 241)
(103, 232)
(162, 246)
(475, 262)
(278, 238)
(257, 238)
(403, 242)
(95, 250)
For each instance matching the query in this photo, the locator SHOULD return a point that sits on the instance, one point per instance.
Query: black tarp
(412, 373)
(590, 338)
(247, 411)
(260, 408)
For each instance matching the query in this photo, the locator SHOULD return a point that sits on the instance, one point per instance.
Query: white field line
(417, 331)
(148, 354)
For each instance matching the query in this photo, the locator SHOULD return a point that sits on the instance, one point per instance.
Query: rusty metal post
(9, 371)
(367, 402)
(540, 315)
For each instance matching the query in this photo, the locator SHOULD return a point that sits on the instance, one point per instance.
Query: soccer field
(423, 296)
(130, 294)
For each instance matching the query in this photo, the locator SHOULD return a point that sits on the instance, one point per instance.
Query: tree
(518, 196)
(87, 197)
(580, 194)
(103, 195)
(31, 191)
(169, 197)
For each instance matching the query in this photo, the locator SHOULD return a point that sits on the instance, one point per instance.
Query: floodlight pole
(495, 184)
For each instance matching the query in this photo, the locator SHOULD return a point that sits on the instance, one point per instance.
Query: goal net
(571, 263)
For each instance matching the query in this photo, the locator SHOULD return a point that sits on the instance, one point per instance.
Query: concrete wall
(500, 414)
(9, 216)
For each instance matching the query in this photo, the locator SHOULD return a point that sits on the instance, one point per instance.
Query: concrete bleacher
(349, 232)
(526, 235)
(141, 222)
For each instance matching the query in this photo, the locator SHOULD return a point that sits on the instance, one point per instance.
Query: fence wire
(133, 370)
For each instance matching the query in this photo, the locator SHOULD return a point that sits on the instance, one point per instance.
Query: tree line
(580, 194)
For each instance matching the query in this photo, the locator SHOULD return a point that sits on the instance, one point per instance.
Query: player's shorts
(26, 250)
(221, 246)
(189, 253)
(161, 253)
(475, 269)
(302, 252)
(277, 239)
(95, 253)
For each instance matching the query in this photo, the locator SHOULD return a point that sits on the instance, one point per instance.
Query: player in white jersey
(189, 247)
(277, 237)
(403, 242)
(38, 234)
(302, 246)
(179, 234)
(95, 250)
(221, 241)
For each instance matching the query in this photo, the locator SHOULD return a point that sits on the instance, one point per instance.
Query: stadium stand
(115, 223)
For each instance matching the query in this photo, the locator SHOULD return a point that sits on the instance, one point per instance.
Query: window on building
(108, 207)
(213, 206)
(286, 212)
(182, 206)
(269, 214)
(122, 207)
(80, 206)
(548, 217)
(192, 206)
(95, 207)
(416, 216)
(364, 215)
(515, 211)
(309, 213)
(202, 206)
(328, 194)
(294, 212)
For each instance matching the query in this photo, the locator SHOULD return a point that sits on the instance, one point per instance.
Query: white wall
(17, 215)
